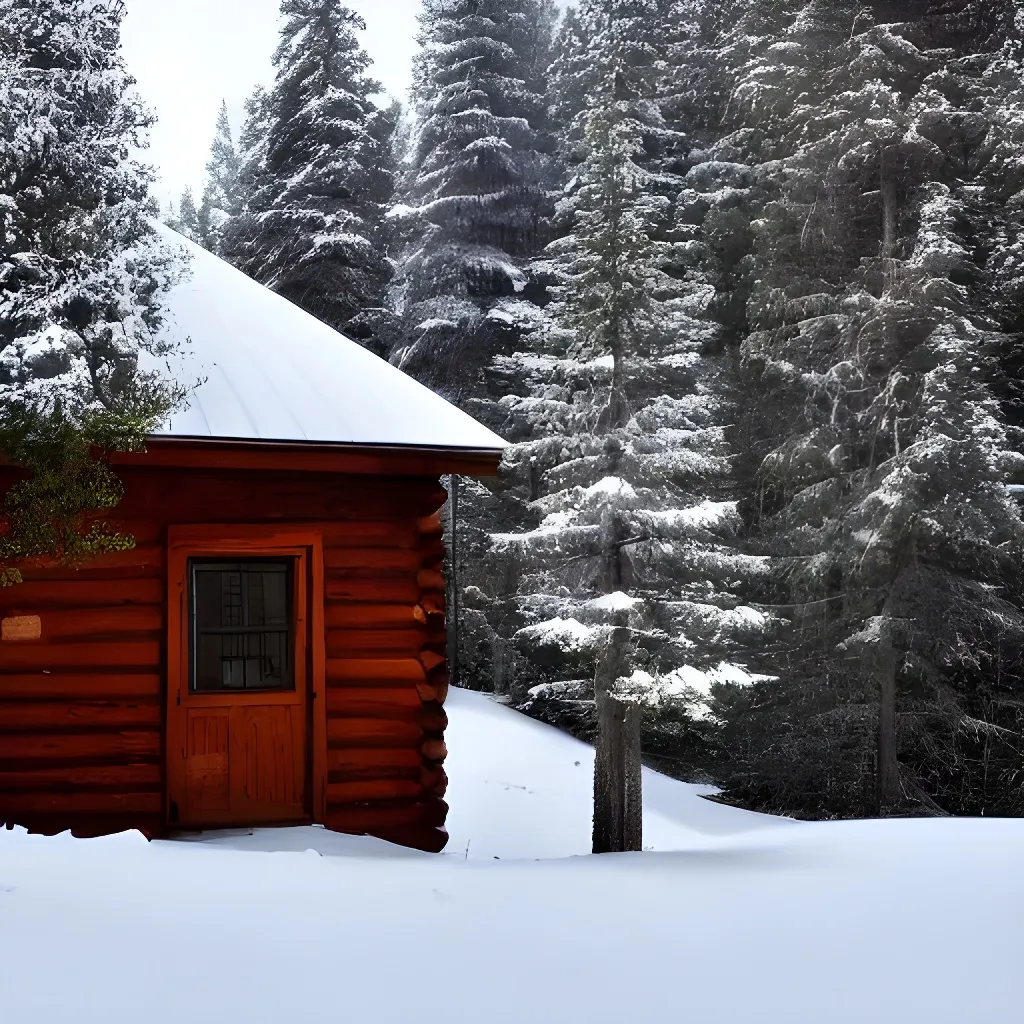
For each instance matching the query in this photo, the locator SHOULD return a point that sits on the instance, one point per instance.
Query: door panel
(267, 761)
(245, 765)
(207, 771)
(237, 756)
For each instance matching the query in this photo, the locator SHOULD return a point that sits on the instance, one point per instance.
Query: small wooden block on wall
(21, 627)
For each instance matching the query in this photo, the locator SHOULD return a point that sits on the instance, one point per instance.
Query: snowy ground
(732, 917)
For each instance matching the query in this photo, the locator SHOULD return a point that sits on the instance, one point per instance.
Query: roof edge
(312, 457)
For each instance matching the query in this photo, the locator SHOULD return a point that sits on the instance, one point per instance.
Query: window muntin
(242, 625)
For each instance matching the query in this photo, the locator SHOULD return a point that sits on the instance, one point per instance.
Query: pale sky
(188, 55)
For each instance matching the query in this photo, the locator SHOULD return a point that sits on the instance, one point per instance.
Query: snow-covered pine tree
(187, 220)
(252, 152)
(881, 490)
(81, 276)
(476, 189)
(317, 174)
(617, 411)
(221, 195)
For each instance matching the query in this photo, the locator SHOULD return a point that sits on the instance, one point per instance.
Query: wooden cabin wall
(82, 709)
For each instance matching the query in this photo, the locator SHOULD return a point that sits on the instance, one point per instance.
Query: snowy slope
(520, 788)
(751, 920)
(267, 370)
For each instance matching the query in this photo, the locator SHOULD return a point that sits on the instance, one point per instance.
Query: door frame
(247, 541)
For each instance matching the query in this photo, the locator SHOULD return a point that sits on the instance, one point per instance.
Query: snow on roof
(269, 371)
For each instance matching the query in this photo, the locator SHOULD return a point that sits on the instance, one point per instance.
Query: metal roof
(264, 369)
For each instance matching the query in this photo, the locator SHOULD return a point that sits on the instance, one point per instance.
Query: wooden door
(238, 691)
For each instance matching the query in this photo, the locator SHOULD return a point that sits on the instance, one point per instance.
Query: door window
(242, 625)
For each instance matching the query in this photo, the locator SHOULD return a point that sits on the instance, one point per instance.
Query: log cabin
(272, 651)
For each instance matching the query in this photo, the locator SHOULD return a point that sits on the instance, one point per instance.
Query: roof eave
(313, 457)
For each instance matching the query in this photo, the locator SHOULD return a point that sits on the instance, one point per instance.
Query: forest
(741, 281)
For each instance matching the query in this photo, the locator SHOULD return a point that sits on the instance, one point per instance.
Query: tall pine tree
(316, 183)
(476, 191)
(81, 276)
(620, 471)
(222, 194)
(884, 454)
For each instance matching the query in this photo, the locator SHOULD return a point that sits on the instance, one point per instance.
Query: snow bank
(751, 919)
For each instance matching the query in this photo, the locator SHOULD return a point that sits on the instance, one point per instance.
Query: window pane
(241, 625)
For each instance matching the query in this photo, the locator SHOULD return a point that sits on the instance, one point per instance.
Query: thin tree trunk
(888, 766)
(618, 786)
(453, 583)
(612, 534)
(618, 809)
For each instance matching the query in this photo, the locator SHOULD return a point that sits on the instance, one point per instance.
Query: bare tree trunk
(618, 786)
(614, 661)
(888, 766)
(612, 535)
(453, 583)
(618, 796)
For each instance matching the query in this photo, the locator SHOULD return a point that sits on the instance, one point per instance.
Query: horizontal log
(433, 719)
(151, 556)
(369, 773)
(41, 595)
(391, 814)
(37, 656)
(80, 803)
(433, 602)
(374, 671)
(373, 534)
(147, 531)
(391, 560)
(39, 751)
(90, 624)
(432, 554)
(369, 791)
(435, 811)
(89, 826)
(96, 685)
(83, 716)
(347, 586)
(207, 496)
(122, 776)
(442, 689)
(430, 579)
(376, 762)
(427, 692)
(431, 660)
(373, 732)
(430, 526)
(374, 616)
(392, 643)
(434, 781)
(147, 559)
(436, 640)
(374, 702)
(439, 675)
(434, 750)
(90, 571)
